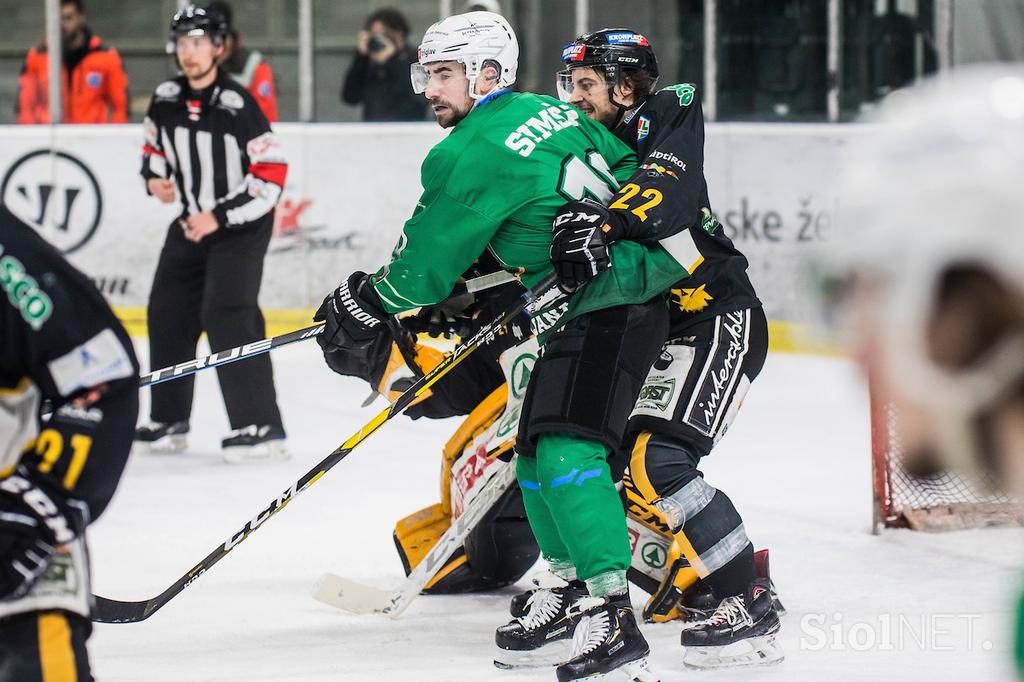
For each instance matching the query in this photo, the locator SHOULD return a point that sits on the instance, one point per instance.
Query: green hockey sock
(541, 523)
(578, 492)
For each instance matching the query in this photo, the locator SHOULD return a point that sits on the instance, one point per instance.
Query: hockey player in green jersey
(500, 181)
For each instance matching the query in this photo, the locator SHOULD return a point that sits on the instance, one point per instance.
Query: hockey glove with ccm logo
(352, 315)
(583, 231)
(33, 524)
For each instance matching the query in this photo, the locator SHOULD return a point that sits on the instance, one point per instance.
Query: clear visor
(419, 76)
(605, 76)
(563, 85)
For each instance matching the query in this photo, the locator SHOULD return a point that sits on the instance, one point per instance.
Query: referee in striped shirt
(208, 145)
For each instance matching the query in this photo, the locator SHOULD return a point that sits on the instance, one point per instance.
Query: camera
(378, 42)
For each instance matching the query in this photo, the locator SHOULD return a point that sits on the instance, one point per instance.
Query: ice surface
(902, 606)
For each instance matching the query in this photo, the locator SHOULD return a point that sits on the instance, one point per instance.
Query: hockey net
(945, 501)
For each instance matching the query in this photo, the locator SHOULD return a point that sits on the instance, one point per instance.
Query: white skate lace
(542, 606)
(732, 610)
(592, 629)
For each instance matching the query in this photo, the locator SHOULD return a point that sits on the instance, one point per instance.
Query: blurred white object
(938, 184)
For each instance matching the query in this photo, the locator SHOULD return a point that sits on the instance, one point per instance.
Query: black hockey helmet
(196, 21)
(224, 9)
(612, 51)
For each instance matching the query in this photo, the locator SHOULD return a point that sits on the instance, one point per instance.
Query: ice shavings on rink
(902, 606)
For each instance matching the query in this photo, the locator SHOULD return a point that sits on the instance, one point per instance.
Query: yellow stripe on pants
(56, 657)
(638, 472)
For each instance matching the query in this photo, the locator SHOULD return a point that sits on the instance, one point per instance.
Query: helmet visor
(419, 76)
(601, 76)
(563, 85)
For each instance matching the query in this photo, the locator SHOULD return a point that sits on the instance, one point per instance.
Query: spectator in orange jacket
(95, 86)
(248, 67)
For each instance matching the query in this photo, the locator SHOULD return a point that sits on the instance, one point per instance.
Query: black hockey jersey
(59, 337)
(667, 200)
(218, 147)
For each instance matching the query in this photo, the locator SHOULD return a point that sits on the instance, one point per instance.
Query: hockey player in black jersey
(717, 344)
(59, 343)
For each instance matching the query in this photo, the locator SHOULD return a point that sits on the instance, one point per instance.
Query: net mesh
(936, 502)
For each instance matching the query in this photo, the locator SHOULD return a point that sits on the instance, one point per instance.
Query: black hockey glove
(452, 317)
(579, 247)
(33, 524)
(353, 316)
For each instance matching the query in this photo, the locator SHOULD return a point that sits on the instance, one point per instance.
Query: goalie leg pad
(498, 552)
(417, 533)
(502, 548)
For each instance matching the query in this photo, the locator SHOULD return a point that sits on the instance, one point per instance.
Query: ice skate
(254, 443)
(161, 437)
(607, 643)
(543, 635)
(740, 632)
(698, 602)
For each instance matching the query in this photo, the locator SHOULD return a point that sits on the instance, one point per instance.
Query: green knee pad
(577, 488)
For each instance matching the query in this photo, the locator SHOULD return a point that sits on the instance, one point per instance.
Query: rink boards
(350, 188)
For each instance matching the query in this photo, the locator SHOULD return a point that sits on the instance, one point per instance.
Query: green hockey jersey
(495, 183)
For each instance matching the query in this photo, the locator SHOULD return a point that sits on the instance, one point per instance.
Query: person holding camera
(379, 75)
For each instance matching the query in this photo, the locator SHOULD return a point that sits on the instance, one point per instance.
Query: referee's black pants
(212, 286)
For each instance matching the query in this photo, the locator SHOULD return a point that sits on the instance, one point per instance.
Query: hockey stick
(225, 357)
(114, 611)
(349, 595)
(255, 348)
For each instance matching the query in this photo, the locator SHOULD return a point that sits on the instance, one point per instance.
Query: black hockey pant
(44, 646)
(212, 286)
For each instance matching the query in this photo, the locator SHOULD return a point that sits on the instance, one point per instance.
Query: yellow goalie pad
(417, 533)
(482, 416)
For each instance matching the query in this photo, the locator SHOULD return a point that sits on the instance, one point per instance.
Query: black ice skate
(542, 581)
(741, 631)
(698, 602)
(161, 436)
(254, 443)
(543, 635)
(607, 643)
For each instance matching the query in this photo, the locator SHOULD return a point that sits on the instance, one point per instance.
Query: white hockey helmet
(933, 188)
(470, 39)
